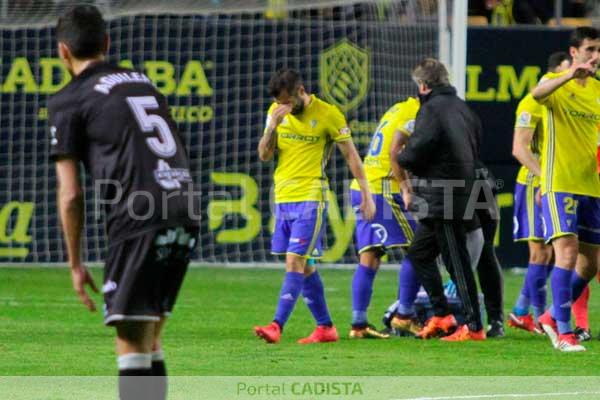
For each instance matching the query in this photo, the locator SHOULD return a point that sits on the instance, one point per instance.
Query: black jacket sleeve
(422, 143)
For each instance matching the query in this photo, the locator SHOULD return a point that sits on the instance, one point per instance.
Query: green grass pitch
(44, 330)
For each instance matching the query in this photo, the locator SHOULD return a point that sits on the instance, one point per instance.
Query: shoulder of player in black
(106, 77)
(66, 97)
(99, 78)
(70, 92)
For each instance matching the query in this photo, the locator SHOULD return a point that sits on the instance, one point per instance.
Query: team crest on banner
(344, 74)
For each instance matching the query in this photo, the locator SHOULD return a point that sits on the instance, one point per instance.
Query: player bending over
(392, 225)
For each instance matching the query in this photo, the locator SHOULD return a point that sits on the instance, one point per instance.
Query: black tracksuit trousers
(448, 237)
(489, 270)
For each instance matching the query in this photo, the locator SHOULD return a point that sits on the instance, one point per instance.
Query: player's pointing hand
(583, 70)
(80, 277)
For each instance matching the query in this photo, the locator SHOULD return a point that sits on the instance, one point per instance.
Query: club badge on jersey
(171, 178)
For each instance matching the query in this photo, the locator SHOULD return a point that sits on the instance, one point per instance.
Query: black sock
(159, 368)
(135, 372)
(133, 385)
(159, 379)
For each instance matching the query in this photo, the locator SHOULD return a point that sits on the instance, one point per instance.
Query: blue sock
(314, 297)
(536, 283)
(362, 289)
(578, 284)
(290, 290)
(561, 296)
(408, 287)
(521, 307)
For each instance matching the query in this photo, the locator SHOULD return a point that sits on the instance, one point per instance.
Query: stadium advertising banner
(503, 66)
(214, 72)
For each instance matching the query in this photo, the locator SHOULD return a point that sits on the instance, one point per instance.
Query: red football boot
(463, 333)
(569, 343)
(549, 326)
(524, 322)
(437, 326)
(270, 333)
(321, 334)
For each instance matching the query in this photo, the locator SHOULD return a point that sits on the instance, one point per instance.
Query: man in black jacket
(441, 156)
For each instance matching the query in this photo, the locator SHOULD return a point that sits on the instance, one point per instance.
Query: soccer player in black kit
(116, 123)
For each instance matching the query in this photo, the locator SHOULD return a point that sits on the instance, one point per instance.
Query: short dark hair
(284, 79)
(581, 33)
(431, 72)
(556, 59)
(83, 30)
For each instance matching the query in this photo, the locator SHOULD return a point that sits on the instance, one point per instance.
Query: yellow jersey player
(527, 218)
(303, 130)
(392, 226)
(569, 181)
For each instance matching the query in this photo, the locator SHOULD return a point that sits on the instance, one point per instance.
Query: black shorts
(143, 275)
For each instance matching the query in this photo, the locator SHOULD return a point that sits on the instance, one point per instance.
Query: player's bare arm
(398, 141)
(521, 150)
(70, 203)
(577, 71)
(268, 142)
(367, 206)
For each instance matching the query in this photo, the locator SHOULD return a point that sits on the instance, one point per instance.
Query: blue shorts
(527, 217)
(571, 214)
(392, 225)
(299, 228)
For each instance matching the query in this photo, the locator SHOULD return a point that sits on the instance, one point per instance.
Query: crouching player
(392, 225)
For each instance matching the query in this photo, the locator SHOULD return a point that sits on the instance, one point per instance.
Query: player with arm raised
(303, 130)
(118, 125)
(569, 181)
(528, 225)
(580, 306)
(392, 225)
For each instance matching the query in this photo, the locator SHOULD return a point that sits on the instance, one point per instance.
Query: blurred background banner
(503, 65)
(213, 64)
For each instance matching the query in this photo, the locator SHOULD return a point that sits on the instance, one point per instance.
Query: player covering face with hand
(302, 129)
